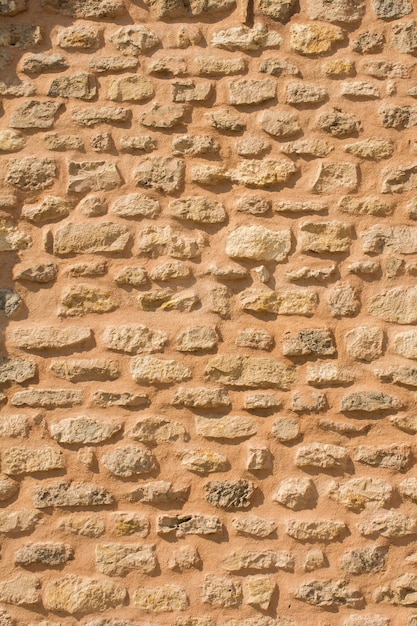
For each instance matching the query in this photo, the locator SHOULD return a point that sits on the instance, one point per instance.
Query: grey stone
(365, 560)
(86, 9)
(330, 593)
(235, 494)
(45, 553)
(391, 9)
(66, 494)
(338, 123)
(17, 370)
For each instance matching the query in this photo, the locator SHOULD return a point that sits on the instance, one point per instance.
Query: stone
(38, 63)
(330, 593)
(48, 337)
(20, 36)
(319, 530)
(362, 493)
(61, 143)
(324, 237)
(168, 66)
(11, 141)
(85, 525)
(134, 339)
(296, 494)
(85, 430)
(257, 339)
(153, 370)
(202, 398)
(161, 599)
(195, 145)
(305, 93)
(115, 559)
(136, 205)
(246, 39)
(127, 523)
(160, 492)
(364, 343)
(365, 560)
(332, 176)
(189, 91)
(339, 68)
(302, 302)
(399, 375)
(81, 300)
(278, 67)
(235, 494)
(26, 461)
(199, 209)
(285, 429)
(52, 208)
(258, 458)
(66, 493)
(310, 402)
(14, 426)
(254, 526)
(222, 592)
(265, 560)
(35, 114)
(251, 372)
(321, 273)
(79, 595)
(368, 42)
(322, 456)
(338, 123)
(17, 370)
(405, 344)
(46, 553)
(370, 401)
(81, 86)
(184, 559)
(23, 589)
(209, 175)
(8, 488)
(329, 374)
(343, 300)
(365, 91)
(12, 7)
(144, 143)
(395, 239)
(228, 427)
(250, 91)
(195, 524)
(18, 521)
(252, 146)
(11, 238)
(279, 124)
(399, 118)
(100, 115)
(10, 302)
(78, 37)
(93, 176)
(31, 174)
(155, 430)
(391, 525)
(131, 89)
(391, 9)
(129, 461)
(47, 398)
(309, 39)
(394, 456)
(337, 11)
(375, 149)
(405, 423)
(408, 488)
(204, 461)
(395, 305)
(163, 174)
(405, 37)
(134, 40)
(217, 66)
(258, 243)
(305, 147)
(134, 276)
(160, 116)
(197, 338)
(39, 273)
(224, 120)
(105, 399)
(77, 370)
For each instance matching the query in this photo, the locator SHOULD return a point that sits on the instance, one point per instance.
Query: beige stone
(78, 595)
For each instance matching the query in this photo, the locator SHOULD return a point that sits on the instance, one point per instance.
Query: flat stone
(246, 39)
(199, 209)
(13, 7)
(85, 430)
(226, 494)
(391, 9)
(86, 525)
(201, 398)
(258, 243)
(66, 494)
(330, 593)
(194, 524)
(47, 337)
(46, 553)
(306, 147)
(222, 592)
(338, 123)
(249, 372)
(296, 494)
(362, 493)
(106, 399)
(155, 430)
(394, 456)
(224, 120)
(81, 300)
(131, 89)
(161, 599)
(31, 174)
(204, 461)
(163, 174)
(90, 9)
(322, 456)
(115, 559)
(17, 370)
(79, 595)
(319, 530)
(39, 273)
(26, 461)
(78, 37)
(330, 374)
(302, 302)
(332, 176)
(11, 141)
(257, 339)
(23, 589)
(38, 63)
(93, 176)
(364, 343)
(20, 36)
(279, 124)
(250, 91)
(253, 526)
(158, 371)
(195, 145)
(314, 38)
(217, 66)
(160, 492)
(134, 339)
(197, 338)
(47, 398)
(365, 560)
(324, 237)
(265, 560)
(35, 114)
(100, 115)
(228, 427)
(81, 86)
(336, 11)
(395, 305)
(391, 525)
(370, 401)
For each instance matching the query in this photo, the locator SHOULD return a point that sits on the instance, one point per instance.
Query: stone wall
(208, 312)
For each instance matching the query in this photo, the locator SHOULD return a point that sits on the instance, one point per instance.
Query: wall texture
(208, 313)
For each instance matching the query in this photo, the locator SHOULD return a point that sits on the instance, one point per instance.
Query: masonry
(208, 309)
